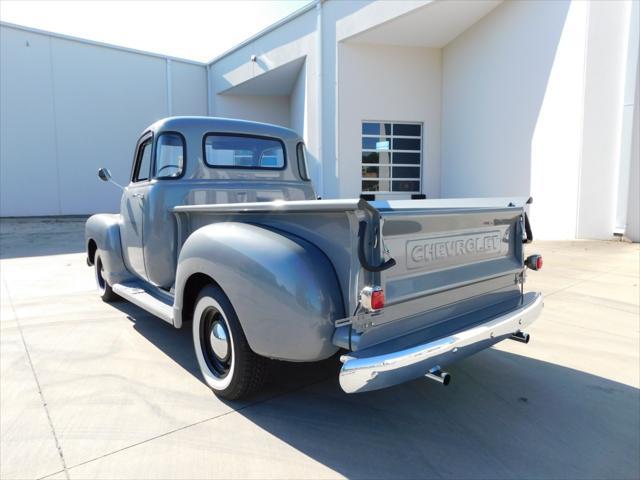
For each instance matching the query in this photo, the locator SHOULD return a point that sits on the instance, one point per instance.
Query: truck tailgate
(453, 257)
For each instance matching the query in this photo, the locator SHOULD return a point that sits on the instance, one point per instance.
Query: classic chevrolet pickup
(220, 227)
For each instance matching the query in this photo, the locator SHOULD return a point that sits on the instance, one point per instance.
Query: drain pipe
(319, 88)
(169, 86)
(209, 90)
(630, 96)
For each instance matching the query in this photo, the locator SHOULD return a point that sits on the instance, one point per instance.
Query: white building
(464, 98)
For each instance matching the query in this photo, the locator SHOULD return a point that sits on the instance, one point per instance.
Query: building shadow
(503, 416)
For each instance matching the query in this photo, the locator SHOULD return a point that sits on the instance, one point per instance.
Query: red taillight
(377, 299)
(534, 262)
(372, 298)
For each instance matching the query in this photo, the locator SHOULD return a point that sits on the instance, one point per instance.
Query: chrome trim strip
(361, 374)
(276, 206)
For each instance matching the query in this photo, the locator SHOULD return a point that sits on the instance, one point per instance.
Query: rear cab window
(243, 151)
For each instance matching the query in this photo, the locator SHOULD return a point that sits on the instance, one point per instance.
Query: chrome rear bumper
(362, 372)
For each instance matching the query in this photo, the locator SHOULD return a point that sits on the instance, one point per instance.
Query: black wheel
(104, 289)
(229, 366)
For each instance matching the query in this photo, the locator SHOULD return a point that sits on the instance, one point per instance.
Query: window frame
(303, 165)
(145, 139)
(244, 135)
(155, 155)
(391, 179)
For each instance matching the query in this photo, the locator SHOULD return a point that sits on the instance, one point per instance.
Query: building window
(391, 157)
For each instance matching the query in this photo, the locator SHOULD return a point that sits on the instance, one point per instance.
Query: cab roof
(221, 125)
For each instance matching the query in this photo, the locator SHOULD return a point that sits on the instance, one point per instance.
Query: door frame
(146, 140)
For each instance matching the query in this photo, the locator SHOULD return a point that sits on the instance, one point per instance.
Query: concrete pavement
(91, 390)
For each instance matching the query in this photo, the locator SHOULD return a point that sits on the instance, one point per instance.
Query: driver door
(132, 207)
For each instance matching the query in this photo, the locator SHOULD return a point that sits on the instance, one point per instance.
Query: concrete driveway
(91, 390)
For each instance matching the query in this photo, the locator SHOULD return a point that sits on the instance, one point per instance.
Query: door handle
(138, 195)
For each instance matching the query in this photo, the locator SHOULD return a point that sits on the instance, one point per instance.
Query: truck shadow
(503, 416)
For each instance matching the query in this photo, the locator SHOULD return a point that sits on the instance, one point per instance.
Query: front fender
(283, 289)
(104, 230)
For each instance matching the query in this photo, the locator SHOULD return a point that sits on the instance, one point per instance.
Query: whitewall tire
(229, 366)
(104, 289)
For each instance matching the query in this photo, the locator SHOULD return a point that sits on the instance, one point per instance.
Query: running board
(143, 299)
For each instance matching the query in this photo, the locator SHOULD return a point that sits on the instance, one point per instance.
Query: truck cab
(189, 163)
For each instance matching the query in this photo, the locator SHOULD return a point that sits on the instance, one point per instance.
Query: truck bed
(453, 256)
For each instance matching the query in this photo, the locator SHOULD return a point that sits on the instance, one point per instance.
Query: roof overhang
(433, 25)
(278, 81)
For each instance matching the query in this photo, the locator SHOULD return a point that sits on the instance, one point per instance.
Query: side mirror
(104, 174)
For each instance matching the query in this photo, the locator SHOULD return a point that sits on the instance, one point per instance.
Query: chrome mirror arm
(104, 174)
(116, 184)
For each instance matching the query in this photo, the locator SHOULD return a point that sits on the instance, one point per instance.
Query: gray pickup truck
(220, 227)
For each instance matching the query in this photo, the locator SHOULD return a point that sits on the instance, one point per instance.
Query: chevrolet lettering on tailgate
(428, 251)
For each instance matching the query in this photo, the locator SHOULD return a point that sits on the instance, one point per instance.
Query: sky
(196, 30)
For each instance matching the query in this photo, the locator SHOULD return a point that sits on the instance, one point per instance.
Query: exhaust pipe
(520, 337)
(439, 376)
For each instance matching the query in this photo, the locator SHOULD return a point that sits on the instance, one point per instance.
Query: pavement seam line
(35, 377)
(49, 475)
(199, 422)
(578, 283)
(590, 329)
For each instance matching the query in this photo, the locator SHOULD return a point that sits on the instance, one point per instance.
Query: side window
(143, 164)
(170, 155)
(302, 162)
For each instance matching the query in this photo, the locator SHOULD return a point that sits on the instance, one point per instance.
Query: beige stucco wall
(378, 82)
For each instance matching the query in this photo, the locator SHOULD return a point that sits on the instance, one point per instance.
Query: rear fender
(104, 230)
(283, 289)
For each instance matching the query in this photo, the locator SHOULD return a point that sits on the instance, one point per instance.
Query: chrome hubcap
(216, 342)
(219, 341)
